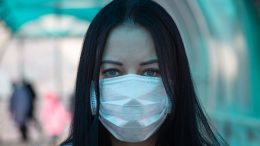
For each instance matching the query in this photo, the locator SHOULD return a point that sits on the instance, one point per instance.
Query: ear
(93, 99)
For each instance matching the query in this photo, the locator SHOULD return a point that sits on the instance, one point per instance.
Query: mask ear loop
(93, 99)
(93, 106)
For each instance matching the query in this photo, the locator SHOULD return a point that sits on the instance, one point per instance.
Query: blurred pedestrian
(54, 117)
(22, 106)
(31, 111)
(19, 107)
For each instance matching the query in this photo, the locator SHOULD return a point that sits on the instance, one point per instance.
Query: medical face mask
(132, 107)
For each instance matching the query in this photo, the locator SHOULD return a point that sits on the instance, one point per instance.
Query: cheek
(101, 76)
(100, 72)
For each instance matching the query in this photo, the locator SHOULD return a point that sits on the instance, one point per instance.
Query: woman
(134, 86)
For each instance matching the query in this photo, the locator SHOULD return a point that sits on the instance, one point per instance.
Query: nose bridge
(132, 71)
(132, 68)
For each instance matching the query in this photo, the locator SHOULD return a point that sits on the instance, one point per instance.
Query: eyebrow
(111, 62)
(119, 63)
(149, 62)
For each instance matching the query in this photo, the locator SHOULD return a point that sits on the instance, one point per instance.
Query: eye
(151, 72)
(112, 72)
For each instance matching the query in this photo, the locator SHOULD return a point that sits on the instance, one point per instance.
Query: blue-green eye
(112, 72)
(151, 72)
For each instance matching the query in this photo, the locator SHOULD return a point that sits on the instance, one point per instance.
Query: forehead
(129, 43)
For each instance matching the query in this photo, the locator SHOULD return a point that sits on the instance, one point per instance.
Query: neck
(149, 142)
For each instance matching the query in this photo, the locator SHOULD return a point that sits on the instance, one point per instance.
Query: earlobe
(93, 99)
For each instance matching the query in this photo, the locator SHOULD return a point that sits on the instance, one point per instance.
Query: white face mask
(132, 107)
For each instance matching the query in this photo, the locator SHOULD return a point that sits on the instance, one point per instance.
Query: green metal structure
(16, 13)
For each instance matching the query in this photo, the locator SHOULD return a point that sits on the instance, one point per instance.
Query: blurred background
(40, 44)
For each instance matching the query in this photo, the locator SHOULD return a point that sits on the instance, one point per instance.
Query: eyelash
(104, 72)
(153, 70)
(108, 70)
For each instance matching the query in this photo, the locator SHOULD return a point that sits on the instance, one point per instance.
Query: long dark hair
(187, 124)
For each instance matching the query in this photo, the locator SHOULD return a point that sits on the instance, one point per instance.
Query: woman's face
(129, 50)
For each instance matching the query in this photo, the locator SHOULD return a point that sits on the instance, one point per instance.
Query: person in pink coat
(54, 116)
